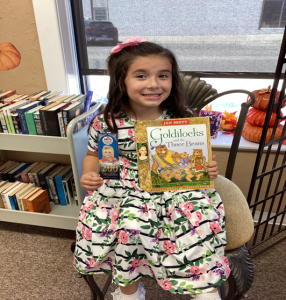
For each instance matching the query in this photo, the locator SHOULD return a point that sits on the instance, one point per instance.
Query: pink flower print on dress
(124, 237)
(136, 263)
(187, 214)
(165, 245)
(133, 139)
(82, 215)
(83, 229)
(88, 234)
(199, 232)
(159, 233)
(96, 125)
(114, 220)
(88, 206)
(134, 41)
(121, 122)
(195, 270)
(130, 132)
(215, 228)
(199, 215)
(189, 206)
(171, 246)
(166, 285)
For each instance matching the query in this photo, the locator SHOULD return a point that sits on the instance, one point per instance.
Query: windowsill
(224, 141)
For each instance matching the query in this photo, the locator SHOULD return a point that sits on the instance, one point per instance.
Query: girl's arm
(90, 179)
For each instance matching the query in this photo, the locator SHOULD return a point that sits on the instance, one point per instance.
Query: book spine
(6, 202)
(1, 203)
(88, 101)
(25, 178)
(74, 192)
(54, 193)
(38, 124)
(42, 181)
(61, 124)
(60, 189)
(53, 124)
(1, 129)
(49, 189)
(44, 122)
(3, 122)
(17, 124)
(10, 120)
(65, 186)
(36, 179)
(10, 198)
(66, 121)
(31, 177)
(32, 126)
(7, 123)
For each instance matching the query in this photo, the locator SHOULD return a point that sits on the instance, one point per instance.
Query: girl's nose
(153, 83)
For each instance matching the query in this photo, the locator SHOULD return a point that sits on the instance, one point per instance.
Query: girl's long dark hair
(118, 65)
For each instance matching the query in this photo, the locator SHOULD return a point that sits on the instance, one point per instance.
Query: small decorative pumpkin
(10, 57)
(256, 117)
(262, 98)
(253, 133)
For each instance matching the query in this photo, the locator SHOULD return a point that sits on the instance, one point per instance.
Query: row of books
(56, 179)
(43, 113)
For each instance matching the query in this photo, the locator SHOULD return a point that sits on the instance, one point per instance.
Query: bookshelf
(75, 145)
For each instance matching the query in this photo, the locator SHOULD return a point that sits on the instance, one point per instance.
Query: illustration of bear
(164, 159)
(198, 165)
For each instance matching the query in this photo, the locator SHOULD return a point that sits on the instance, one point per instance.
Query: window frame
(262, 11)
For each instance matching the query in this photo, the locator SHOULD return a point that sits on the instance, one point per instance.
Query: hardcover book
(19, 195)
(52, 185)
(27, 195)
(173, 154)
(67, 185)
(4, 187)
(39, 202)
(59, 184)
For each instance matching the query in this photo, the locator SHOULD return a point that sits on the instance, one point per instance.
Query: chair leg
(241, 277)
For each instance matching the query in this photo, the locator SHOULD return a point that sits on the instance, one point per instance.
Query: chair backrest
(199, 94)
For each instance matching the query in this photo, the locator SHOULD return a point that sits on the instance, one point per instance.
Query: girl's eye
(164, 76)
(141, 76)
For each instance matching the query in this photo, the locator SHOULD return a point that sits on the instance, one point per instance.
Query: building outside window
(273, 14)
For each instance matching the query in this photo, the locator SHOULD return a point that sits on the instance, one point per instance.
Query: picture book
(173, 154)
(39, 202)
(108, 155)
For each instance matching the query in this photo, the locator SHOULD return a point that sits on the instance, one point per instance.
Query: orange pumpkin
(10, 57)
(256, 117)
(253, 133)
(262, 98)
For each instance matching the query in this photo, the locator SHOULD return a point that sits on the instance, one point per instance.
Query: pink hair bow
(130, 42)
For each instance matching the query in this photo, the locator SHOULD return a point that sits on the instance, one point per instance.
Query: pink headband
(130, 42)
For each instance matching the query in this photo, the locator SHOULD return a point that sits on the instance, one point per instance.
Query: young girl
(107, 155)
(142, 153)
(176, 238)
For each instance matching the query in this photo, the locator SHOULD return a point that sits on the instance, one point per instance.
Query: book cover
(44, 173)
(67, 185)
(88, 101)
(74, 192)
(59, 184)
(173, 154)
(52, 119)
(2, 119)
(21, 193)
(27, 195)
(6, 94)
(16, 171)
(38, 124)
(29, 115)
(6, 165)
(52, 185)
(39, 202)
(6, 171)
(35, 174)
(24, 173)
(12, 197)
(21, 114)
(71, 112)
(7, 114)
(3, 187)
(37, 168)
(5, 194)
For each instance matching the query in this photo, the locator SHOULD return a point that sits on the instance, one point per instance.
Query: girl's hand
(91, 181)
(212, 169)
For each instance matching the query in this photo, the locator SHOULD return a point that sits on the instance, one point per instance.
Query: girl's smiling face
(148, 82)
(143, 151)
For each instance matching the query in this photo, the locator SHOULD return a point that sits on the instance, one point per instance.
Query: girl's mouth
(152, 95)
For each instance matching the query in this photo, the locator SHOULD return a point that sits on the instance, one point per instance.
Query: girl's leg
(213, 295)
(134, 291)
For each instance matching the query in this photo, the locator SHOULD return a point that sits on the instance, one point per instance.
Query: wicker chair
(199, 94)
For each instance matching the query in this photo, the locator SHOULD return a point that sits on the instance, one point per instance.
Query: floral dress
(177, 238)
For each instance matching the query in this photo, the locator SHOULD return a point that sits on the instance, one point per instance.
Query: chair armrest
(238, 219)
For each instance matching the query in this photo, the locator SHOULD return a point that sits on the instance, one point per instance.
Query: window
(273, 14)
(100, 14)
